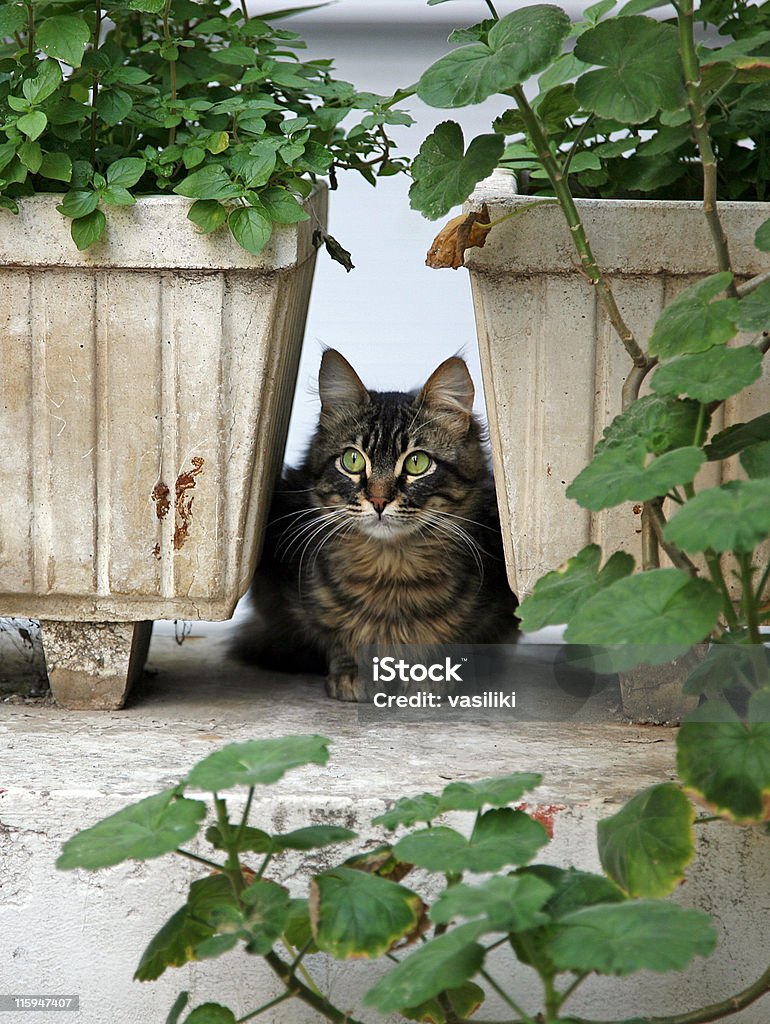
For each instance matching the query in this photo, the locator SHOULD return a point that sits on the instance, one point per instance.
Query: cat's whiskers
(335, 527)
(458, 534)
(301, 531)
(297, 514)
(465, 519)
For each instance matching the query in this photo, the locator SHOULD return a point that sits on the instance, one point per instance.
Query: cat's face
(392, 463)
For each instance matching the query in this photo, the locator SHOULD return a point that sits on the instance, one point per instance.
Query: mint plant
(110, 101)
(564, 923)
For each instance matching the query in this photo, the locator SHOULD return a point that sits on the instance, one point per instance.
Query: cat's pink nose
(378, 504)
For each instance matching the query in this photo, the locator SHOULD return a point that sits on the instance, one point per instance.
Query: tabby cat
(386, 534)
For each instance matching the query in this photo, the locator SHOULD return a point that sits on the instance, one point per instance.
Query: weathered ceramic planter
(552, 367)
(146, 391)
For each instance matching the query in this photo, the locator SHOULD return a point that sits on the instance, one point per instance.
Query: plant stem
(763, 582)
(658, 520)
(752, 284)
(95, 83)
(505, 997)
(650, 551)
(537, 133)
(685, 22)
(564, 996)
(714, 562)
(552, 1000)
(245, 815)
(749, 598)
(302, 992)
(197, 859)
(233, 868)
(30, 29)
(267, 1006)
(729, 1006)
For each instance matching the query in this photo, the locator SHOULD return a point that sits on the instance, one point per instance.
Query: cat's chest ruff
(367, 560)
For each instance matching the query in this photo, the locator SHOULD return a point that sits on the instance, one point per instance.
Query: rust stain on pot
(160, 495)
(544, 813)
(185, 483)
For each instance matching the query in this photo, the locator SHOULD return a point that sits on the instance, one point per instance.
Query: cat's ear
(339, 385)
(449, 392)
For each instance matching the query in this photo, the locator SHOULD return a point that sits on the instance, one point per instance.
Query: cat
(387, 533)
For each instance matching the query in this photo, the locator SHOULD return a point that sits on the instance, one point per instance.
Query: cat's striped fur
(364, 549)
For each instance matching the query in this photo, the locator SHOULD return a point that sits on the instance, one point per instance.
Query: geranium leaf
(693, 322)
(709, 376)
(726, 761)
(640, 70)
(622, 938)
(444, 174)
(258, 762)
(558, 594)
(733, 517)
(646, 846)
(357, 914)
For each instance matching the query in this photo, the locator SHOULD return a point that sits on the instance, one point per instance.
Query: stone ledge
(83, 933)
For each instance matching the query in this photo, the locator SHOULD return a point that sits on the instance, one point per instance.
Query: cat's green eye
(417, 463)
(353, 461)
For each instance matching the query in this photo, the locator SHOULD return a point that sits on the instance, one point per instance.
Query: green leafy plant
(110, 101)
(564, 923)
(607, 114)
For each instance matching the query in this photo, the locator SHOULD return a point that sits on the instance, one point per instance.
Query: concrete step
(80, 933)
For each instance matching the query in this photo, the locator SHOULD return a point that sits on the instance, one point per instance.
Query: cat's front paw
(346, 686)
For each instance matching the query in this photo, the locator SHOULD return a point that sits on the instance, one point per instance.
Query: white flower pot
(146, 390)
(552, 366)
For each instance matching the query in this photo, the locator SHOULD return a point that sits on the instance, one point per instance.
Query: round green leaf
(210, 1013)
(258, 762)
(173, 945)
(12, 18)
(57, 166)
(250, 228)
(619, 474)
(709, 376)
(408, 811)
(640, 70)
(499, 838)
(78, 203)
(444, 175)
(756, 460)
(646, 846)
(739, 436)
(281, 206)
(207, 214)
(210, 182)
(313, 837)
(442, 963)
(117, 196)
(762, 236)
(32, 124)
(125, 173)
(357, 914)
(113, 105)
(573, 889)
(511, 903)
(141, 831)
(44, 84)
(660, 421)
(621, 938)
(657, 608)
(465, 1000)
(31, 155)
(497, 792)
(519, 45)
(89, 229)
(733, 517)
(558, 594)
(754, 310)
(65, 37)
(727, 761)
(693, 322)
(267, 916)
